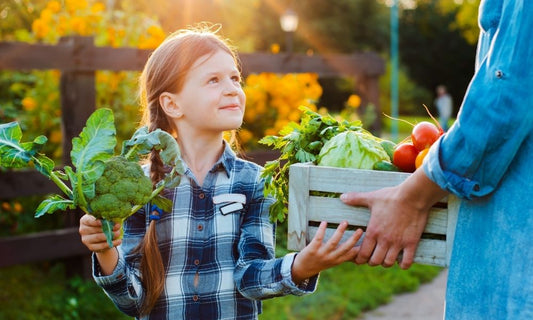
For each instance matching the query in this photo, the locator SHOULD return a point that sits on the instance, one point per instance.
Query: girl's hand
(318, 256)
(92, 235)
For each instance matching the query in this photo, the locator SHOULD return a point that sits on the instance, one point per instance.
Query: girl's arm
(94, 239)
(259, 275)
(115, 269)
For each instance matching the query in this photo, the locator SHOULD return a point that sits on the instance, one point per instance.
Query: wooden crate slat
(298, 202)
(429, 251)
(334, 211)
(340, 180)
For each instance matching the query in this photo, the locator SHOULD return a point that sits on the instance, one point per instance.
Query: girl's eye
(213, 80)
(237, 79)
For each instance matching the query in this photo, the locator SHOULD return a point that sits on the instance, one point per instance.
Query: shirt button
(200, 227)
(195, 298)
(499, 74)
(201, 195)
(196, 262)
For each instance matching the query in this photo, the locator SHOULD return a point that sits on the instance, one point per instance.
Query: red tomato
(404, 157)
(424, 134)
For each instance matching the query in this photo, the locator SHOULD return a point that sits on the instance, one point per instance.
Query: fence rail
(78, 59)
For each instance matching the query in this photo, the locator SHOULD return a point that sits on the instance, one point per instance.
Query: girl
(213, 256)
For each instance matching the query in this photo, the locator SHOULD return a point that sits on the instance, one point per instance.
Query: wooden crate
(307, 209)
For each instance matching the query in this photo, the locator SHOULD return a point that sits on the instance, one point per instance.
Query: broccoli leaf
(52, 204)
(143, 141)
(14, 154)
(95, 144)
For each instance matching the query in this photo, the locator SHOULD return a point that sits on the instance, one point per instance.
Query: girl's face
(212, 99)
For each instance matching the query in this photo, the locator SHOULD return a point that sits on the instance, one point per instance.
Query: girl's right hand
(92, 235)
(319, 255)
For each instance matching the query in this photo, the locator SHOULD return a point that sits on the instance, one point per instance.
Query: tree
(434, 51)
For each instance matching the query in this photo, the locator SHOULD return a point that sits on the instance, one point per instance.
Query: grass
(42, 291)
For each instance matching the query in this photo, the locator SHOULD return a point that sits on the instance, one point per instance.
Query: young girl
(213, 256)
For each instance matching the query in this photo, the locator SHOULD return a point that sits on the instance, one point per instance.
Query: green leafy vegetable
(108, 186)
(298, 143)
(352, 149)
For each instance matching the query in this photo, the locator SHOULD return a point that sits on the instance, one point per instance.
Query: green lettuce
(352, 149)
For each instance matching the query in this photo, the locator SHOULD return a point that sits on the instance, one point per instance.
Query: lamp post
(289, 24)
(394, 68)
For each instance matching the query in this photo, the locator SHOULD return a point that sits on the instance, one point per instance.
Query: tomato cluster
(408, 156)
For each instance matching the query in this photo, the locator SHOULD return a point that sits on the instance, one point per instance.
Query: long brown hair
(165, 71)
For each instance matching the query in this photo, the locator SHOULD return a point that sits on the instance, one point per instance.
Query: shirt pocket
(229, 212)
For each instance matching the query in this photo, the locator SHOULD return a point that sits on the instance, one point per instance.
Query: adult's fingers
(408, 257)
(392, 256)
(355, 198)
(378, 255)
(366, 250)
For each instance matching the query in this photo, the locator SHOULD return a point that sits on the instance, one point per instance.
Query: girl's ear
(168, 103)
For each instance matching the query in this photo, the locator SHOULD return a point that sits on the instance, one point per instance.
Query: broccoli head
(122, 185)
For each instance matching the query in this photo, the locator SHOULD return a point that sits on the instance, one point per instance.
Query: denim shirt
(485, 159)
(217, 247)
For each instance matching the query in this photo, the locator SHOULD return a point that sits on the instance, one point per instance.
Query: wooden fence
(78, 59)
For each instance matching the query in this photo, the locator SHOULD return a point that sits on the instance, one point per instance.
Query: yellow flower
(56, 136)
(40, 28)
(6, 206)
(46, 15)
(275, 48)
(29, 104)
(54, 6)
(354, 101)
(79, 26)
(245, 135)
(97, 7)
(17, 207)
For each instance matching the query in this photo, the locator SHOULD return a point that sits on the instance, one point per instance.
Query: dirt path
(427, 303)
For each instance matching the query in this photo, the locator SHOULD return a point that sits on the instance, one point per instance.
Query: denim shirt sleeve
(496, 115)
(258, 274)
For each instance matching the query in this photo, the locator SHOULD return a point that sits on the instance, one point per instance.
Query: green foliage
(298, 143)
(43, 292)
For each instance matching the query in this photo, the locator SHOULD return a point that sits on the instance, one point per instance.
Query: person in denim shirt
(485, 159)
(213, 256)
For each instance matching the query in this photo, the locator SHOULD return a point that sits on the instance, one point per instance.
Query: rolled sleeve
(123, 286)
(306, 287)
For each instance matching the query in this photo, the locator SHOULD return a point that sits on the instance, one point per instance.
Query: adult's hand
(398, 218)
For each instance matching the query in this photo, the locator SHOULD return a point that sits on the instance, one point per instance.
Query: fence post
(78, 101)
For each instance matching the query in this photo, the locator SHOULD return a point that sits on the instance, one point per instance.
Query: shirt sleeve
(496, 115)
(124, 285)
(258, 274)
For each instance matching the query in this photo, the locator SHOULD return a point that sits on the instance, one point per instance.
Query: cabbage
(352, 149)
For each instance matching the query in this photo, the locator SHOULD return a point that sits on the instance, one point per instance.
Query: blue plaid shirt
(219, 233)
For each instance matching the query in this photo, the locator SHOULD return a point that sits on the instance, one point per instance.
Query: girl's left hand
(318, 256)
